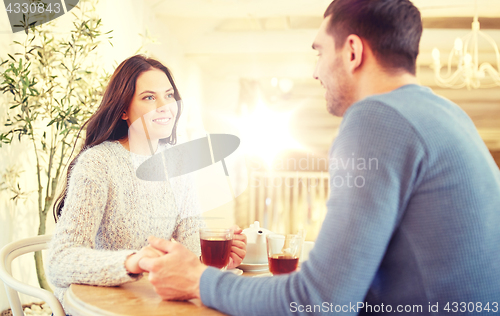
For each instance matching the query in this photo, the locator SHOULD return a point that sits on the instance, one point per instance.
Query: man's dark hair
(392, 28)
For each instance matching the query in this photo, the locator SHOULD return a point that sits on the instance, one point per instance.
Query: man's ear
(354, 51)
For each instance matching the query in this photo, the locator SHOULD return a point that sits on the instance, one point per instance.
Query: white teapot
(256, 244)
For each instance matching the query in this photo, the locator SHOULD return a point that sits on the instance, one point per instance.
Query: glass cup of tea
(216, 246)
(283, 252)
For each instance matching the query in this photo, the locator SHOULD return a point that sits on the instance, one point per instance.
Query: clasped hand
(174, 271)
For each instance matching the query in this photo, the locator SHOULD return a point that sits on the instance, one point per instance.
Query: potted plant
(51, 84)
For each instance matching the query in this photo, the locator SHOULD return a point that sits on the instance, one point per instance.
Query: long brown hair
(106, 123)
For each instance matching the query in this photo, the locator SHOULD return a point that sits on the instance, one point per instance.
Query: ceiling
(265, 8)
(262, 39)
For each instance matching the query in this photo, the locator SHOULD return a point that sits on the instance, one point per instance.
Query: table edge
(81, 308)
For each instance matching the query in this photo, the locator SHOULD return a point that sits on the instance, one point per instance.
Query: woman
(106, 213)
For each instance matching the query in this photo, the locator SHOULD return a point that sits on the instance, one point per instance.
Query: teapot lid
(255, 227)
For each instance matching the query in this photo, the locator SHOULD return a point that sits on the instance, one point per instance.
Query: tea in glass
(216, 246)
(283, 252)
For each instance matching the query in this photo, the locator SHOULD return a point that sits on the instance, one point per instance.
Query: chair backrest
(13, 250)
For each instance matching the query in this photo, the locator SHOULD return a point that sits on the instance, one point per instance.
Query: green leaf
(50, 123)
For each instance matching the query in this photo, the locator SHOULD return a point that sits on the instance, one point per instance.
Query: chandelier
(465, 53)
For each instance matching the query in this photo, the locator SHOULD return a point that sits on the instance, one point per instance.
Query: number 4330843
(470, 307)
(33, 8)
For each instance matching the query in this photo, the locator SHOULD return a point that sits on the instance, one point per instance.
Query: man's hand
(132, 261)
(175, 275)
(238, 249)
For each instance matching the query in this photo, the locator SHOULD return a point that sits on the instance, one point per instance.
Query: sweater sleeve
(72, 257)
(374, 164)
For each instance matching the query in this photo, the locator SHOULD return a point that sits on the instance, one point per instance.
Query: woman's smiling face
(153, 109)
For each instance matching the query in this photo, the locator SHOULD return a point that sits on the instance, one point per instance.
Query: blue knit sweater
(413, 222)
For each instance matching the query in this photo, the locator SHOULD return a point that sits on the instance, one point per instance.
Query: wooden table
(136, 298)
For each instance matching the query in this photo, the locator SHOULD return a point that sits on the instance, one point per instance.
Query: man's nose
(315, 72)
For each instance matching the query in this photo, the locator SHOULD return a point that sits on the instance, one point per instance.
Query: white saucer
(235, 271)
(254, 266)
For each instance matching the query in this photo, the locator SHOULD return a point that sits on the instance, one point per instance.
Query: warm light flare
(436, 55)
(459, 44)
(266, 133)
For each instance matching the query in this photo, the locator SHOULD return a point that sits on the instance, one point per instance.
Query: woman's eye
(170, 95)
(149, 97)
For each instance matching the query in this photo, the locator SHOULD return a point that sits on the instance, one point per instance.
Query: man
(415, 232)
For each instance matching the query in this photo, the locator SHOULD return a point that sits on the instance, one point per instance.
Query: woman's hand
(238, 249)
(175, 275)
(132, 261)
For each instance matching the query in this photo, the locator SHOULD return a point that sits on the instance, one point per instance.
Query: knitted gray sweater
(108, 215)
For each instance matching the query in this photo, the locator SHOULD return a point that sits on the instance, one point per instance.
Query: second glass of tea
(283, 252)
(216, 246)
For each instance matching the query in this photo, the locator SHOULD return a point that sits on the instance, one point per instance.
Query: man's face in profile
(331, 71)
